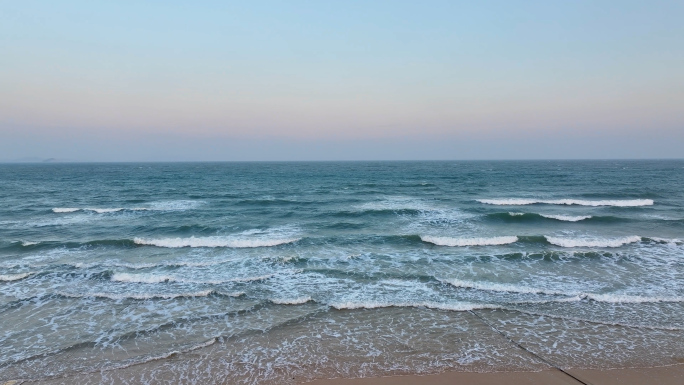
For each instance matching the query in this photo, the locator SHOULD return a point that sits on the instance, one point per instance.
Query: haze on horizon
(341, 80)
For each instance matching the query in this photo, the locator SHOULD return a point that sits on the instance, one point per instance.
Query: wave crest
(216, 241)
(587, 242)
(65, 209)
(448, 241)
(499, 287)
(566, 218)
(293, 301)
(579, 202)
(13, 277)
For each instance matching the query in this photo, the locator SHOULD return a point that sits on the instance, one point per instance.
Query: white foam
(429, 305)
(516, 214)
(500, 287)
(26, 243)
(448, 241)
(204, 293)
(621, 298)
(13, 277)
(65, 209)
(142, 278)
(215, 241)
(179, 205)
(589, 242)
(293, 301)
(105, 211)
(252, 279)
(156, 278)
(580, 202)
(668, 241)
(396, 203)
(567, 218)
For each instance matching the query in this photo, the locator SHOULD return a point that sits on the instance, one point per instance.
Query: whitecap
(215, 241)
(566, 218)
(104, 211)
(13, 277)
(142, 278)
(157, 278)
(291, 301)
(65, 209)
(516, 214)
(448, 241)
(579, 202)
(592, 242)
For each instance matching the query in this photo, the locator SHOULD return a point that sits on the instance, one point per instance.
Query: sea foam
(500, 287)
(448, 241)
(579, 202)
(216, 241)
(592, 242)
(566, 218)
(291, 301)
(430, 305)
(13, 277)
(65, 209)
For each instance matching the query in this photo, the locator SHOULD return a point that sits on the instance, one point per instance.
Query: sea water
(275, 272)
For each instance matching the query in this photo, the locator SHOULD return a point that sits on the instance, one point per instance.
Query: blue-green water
(258, 272)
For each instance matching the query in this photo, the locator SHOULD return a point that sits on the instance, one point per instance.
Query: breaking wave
(449, 241)
(13, 277)
(293, 301)
(589, 242)
(215, 241)
(566, 218)
(155, 278)
(430, 305)
(500, 287)
(580, 202)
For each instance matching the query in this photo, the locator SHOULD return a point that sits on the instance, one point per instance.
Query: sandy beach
(667, 375)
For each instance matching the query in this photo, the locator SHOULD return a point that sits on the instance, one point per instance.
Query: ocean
(253, 273)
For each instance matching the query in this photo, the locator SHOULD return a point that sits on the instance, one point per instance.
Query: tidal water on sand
(284, 272)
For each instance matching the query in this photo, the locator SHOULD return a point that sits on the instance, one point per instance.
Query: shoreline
(663, 375)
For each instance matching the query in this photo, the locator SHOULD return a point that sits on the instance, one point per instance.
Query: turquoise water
(258, 272)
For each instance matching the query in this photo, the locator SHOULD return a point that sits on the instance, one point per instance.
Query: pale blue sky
(298, 80)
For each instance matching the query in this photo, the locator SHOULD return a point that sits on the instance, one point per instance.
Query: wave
(293, 301)
(430, 305)
(500, 287)
(580, 202)
(588, 242)
(570, 296)
(566, 218)
(117, 297)
(622, 298)
(13, 277)
(448, 241)
(215, 241)
(155, 278)
(65, 209)
(142, 278)
(180, 205)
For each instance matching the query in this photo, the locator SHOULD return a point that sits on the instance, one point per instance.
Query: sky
(341, 80)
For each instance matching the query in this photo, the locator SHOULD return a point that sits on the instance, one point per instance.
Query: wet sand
(667, 375)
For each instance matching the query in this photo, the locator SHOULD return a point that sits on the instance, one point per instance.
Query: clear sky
(341, 80)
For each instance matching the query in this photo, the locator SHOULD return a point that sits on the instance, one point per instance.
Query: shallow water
(257, 272)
